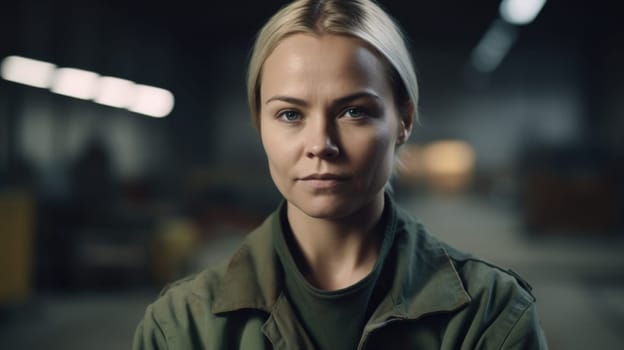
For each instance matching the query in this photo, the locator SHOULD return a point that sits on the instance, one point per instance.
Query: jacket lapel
(252, 277)
(425, 280)
(253, 281)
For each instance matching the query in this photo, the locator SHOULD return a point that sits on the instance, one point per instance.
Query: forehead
(308, 64)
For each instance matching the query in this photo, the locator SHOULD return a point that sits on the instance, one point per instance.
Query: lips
(323, 182)
(326, 176)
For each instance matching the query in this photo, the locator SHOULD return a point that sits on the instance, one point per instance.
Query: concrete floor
(70, 322)
(579, 285)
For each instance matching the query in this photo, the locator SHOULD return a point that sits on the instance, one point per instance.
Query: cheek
(276, 152)
(368, 158)
(379, 144)
(377, 152)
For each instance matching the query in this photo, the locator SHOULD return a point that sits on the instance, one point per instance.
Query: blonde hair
(361, 19)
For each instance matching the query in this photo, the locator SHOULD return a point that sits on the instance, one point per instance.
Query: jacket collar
(425, 278)
(253, 277)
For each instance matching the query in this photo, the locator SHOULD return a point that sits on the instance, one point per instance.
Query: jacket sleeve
(527, 333)
(149, 335)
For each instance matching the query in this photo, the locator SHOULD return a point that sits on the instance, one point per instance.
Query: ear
(407, 121)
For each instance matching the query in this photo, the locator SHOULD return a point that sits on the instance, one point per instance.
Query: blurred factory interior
(518, 157)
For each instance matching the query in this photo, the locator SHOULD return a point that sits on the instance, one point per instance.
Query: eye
(290, 116)
(355, 112)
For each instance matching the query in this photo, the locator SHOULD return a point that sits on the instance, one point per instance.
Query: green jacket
(440, 299)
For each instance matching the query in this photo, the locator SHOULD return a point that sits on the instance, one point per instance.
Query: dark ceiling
(219, 22)
(197, 32)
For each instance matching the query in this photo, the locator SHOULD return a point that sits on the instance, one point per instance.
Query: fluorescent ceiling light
(152, 101)
(493, 47)
(115, 92)
(86, 85)
(520, 12)
(75, 83)
(27, 71)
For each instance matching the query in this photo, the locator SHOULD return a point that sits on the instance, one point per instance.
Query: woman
(332, 91)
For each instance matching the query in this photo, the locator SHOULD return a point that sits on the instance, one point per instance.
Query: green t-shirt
(333, 319)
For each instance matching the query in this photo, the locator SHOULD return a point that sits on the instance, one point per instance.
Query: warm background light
(446, 165)
(448, 158)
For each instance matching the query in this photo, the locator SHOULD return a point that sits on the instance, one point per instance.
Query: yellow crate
(17, 216)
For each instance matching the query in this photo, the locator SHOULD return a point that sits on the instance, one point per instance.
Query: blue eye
(290, 116)
(354, 112)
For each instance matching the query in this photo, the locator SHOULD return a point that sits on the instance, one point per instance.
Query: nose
(322, 141)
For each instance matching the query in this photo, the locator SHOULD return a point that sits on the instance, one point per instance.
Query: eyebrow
(288, 99)
(339, 101)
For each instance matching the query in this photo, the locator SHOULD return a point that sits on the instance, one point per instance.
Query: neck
(337, 253)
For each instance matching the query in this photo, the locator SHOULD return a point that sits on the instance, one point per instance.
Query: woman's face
(329, 124)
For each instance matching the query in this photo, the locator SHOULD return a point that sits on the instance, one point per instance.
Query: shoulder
(477, 275)
(501, 309)
(197, 290)
(185, 302)
(502, 313)
(193, 310)
(182, 307)
(201, 290)
(502, 304)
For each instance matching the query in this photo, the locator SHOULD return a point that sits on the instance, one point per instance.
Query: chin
(326, 206)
